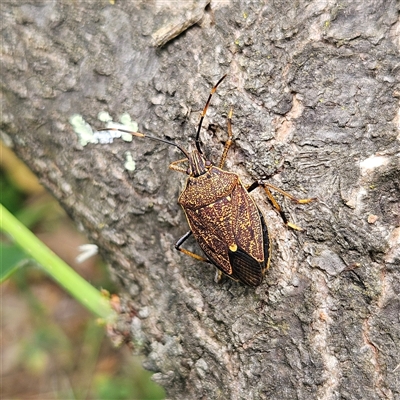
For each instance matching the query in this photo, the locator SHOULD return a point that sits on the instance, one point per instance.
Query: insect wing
(247, 269)
(231, 233)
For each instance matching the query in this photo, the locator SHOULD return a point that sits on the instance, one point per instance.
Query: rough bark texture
(315, 90)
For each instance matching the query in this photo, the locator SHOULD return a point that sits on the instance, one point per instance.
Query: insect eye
(208, 163)
(188, 171)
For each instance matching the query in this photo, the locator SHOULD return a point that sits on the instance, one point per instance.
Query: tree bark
(315, 91)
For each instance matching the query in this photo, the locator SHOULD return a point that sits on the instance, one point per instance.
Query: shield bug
(222, 216)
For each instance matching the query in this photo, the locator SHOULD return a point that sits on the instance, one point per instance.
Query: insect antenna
(138, 134)
(213, 90)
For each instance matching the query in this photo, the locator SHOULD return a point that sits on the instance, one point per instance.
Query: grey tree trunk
(315, 90)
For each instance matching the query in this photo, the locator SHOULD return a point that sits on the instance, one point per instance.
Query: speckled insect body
(227, 224)
(222, 216)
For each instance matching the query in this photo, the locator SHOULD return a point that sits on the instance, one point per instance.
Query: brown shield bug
(222, 216)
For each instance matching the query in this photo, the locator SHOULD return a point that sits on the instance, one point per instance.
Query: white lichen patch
(372, 162)
(86, 134)
(82, 129)
(130, 164)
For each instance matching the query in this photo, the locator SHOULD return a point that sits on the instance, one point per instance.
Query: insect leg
(174, 165)
(183, 239)
(288, 195)
(275, 204)
(229, 142)
(218, 273)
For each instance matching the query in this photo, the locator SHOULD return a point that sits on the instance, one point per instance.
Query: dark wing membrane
(245, 268)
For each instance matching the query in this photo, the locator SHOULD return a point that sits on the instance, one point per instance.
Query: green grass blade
(62, 273)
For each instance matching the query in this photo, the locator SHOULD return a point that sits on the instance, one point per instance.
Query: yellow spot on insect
(233, 247)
